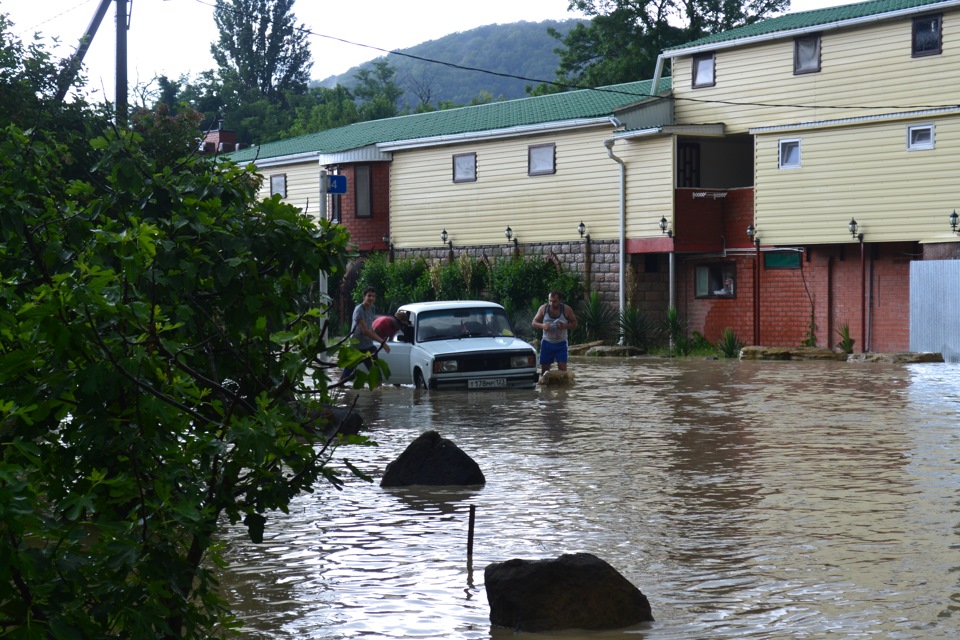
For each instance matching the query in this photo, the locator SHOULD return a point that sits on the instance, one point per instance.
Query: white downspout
(623, 224)
(655, 84)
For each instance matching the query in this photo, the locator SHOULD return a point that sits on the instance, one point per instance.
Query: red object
(386, 326)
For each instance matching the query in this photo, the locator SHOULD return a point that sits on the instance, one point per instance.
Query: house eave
(819, 28)
(683, 129)
(277, 161)
(494, 134)
(839, 122)
(369, 153)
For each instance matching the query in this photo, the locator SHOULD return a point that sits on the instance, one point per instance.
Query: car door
(399, 362)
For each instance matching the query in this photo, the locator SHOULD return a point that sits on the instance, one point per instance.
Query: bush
(397, 283)
(519, 283)
(636, 328)
(596, 320)
(846, 342)
(729, 345)
(464, 279)
(676, 330)
(159, 376)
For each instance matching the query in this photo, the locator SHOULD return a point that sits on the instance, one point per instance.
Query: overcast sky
(173, 37)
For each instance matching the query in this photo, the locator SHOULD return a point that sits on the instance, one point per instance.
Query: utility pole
(76, 60)
(121, 85)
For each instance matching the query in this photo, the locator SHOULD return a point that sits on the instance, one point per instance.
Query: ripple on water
(746, 500)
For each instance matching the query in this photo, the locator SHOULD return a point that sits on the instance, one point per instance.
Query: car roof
(417, 307)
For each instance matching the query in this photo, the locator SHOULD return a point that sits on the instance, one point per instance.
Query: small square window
(927, 35)
(789, 154)
(920, 137)
(806, 54)
(278, 185)
(465, 167)
(703, 70)
(541, 159)
(715, 280)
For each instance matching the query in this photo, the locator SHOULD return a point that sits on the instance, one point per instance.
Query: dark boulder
(574, 591)
(432, 460)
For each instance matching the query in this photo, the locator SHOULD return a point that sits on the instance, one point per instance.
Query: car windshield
(445, 324)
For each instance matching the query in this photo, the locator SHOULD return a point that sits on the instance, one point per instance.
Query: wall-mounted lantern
(852, 227)
(445, 239)
(954, 221)
(664, 227)
(508, 232)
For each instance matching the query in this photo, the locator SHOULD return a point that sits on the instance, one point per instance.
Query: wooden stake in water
(473, 518)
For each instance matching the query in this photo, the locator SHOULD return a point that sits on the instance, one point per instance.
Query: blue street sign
(336, 184)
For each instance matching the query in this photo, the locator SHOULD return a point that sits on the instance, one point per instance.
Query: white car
(465, 344)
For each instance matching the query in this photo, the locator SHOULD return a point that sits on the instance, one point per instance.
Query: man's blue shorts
(551, 352)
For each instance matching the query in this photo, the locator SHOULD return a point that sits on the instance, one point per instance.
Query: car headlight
(445, 366)
(517, 362)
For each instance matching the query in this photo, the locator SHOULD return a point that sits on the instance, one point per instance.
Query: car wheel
(418, 380)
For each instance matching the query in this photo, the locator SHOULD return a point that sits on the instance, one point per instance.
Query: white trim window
(278, 185)
(927, 37)
(806, 54)
(541, 159)
(789, 154)
(465, 167)
(920, 137)
(704, 71)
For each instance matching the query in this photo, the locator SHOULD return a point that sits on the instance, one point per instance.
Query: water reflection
(745, 499)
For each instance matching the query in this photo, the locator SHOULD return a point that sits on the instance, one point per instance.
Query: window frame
(915, 52)
(784, 143)
(278, 185)
(798, 69)
(363, 191)
(534, 150)
(695, 82)
(921, 146)
(717, 274)
(462, 173)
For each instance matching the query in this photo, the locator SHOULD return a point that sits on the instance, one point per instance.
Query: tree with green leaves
(624, 37)
(326, 109)
(377, 92)
(262, 47)
(160, 332)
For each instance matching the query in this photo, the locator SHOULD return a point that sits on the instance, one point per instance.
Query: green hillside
(522, 49)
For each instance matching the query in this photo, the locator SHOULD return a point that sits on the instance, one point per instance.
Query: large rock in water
(432, 460)
(574, 591)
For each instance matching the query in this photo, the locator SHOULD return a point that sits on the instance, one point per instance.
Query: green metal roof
(812, 19)
(557, 107)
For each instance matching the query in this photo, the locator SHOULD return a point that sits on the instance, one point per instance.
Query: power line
(554, 83)
(32, 29)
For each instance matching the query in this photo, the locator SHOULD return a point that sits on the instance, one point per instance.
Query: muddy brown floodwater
(745, 499)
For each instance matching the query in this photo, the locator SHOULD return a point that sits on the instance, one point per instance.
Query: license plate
(487, 383)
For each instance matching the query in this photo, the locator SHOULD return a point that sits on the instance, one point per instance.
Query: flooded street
(744, 499)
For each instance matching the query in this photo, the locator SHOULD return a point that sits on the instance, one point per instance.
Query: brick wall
(825, 290)
(367, 233)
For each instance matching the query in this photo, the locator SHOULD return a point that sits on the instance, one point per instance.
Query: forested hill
(521, 49)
